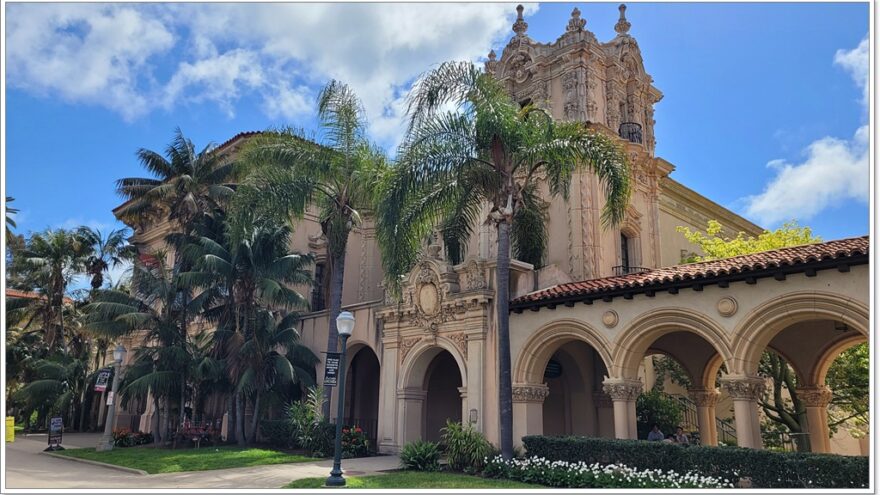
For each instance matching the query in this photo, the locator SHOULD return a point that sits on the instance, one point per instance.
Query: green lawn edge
(413, 479)
(159, 461)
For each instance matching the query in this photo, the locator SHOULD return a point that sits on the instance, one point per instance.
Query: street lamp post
(345, 325)
(106, 442)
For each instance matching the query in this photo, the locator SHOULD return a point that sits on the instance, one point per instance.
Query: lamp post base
(335, 479)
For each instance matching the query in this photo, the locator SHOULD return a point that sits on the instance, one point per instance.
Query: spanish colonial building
(582, 325)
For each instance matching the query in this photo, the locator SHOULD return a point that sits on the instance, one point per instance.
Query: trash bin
(10, 429)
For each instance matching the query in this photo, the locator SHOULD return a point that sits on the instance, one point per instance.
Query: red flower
(358, 430)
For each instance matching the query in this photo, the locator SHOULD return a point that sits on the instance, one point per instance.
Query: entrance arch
(432, 386)
(362, 390)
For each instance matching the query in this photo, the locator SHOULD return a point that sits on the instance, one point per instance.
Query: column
(528, 410)
(623, 393)
(604, 415)
(816, 399)
(411, 416)
(706, 399)
(386, 435)
(745, 392)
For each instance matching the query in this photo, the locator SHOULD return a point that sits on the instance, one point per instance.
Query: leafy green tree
(656, 408)
(487, 151)
(716, 246)
(338, 178)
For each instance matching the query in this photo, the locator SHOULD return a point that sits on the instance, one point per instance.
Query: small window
(624, 252)
(318, 288)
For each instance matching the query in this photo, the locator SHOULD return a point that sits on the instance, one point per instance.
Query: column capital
(814, 396)
(704, 397)
(747, 387)
(530, 392)
(622, 388)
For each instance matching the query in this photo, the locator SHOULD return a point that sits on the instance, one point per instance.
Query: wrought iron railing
(726, 432)
(631, 131)
(626, 270)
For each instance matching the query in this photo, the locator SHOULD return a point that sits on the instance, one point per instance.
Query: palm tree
(487, 151)
(10, 221)
(241, 278)
(186, 185)
(107, 252)
(339, 178)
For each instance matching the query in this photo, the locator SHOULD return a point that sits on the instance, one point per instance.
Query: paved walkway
(27, 468)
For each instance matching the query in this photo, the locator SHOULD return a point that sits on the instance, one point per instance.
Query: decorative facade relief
(745, 388)
(622, 389)
(530, 393)
(704, 397)
(726, 306)
(460, 341)
(819, 396)
(406, 345)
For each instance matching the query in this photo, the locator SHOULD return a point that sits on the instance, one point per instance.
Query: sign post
(331, 369)
(56, 428)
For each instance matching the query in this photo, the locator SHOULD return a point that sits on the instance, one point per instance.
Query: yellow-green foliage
(715, 246)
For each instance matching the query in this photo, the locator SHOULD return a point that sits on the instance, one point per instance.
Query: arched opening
(362, 392)
(442, 395)
(573, 375)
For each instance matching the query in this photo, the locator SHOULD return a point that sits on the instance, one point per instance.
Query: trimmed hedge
(276, 432)
(765, 469)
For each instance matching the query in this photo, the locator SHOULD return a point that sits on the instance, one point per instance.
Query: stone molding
(818, 396)
(726, 306)
(530, 393)
(704, 397)
(744, 387)
(622, 389)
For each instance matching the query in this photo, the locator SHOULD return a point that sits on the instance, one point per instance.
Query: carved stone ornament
(530, 393)
(726, 306)
(475, 279)
(576, 23)
(623, 389)
(460, 341)
(815, 396)
(516, 67)
(610, 319)
(569, 88)
(428, 300)
(406, 345)
(704, 397)
(744, 388)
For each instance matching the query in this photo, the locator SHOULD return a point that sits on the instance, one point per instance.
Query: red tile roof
(20, 294)
(785, 260)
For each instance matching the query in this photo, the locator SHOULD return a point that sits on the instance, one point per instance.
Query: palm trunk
(255, 421)
(502, 301)
(182, 399)
(230, 418)
(82, 409)
(337, 274)
(239, 420)
(166, 428)
(155, 425)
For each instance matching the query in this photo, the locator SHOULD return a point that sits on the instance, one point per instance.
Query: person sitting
(655, 435)
(669, 439)
(681, 437)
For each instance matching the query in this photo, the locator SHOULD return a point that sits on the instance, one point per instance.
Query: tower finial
(520, 26)
(623, 25)
(576, 23)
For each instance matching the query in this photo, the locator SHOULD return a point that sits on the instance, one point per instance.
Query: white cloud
(284, 101)
(833, 170)
(217, 78)
(89, 53)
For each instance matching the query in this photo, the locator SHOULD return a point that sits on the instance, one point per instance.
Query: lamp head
(345, 323)
(119, 353)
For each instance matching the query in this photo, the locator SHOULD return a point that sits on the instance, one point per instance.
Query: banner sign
(56, 428)
(110, 398)
(102, 380)
(331, 368)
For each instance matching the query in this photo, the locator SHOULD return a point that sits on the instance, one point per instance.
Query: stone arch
(635, 341)
(757, 329)
(415, 365)
(540, 346)
(363, 376)
(829, 354)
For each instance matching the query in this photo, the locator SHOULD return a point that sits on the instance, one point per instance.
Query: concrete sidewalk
(26, 467)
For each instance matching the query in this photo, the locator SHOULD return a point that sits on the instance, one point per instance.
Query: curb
(96, 463)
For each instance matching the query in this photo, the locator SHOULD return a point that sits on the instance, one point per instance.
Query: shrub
(466, 448)
(354, 442)
(309, 429)
(276, 432)
(561, 474)
(765, 469)
(420, 456)
(123, 437)
(657, 408)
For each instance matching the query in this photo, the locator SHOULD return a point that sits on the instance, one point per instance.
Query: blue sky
(764, 112)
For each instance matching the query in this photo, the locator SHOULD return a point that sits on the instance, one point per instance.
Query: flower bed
(561, 474)
(123, 437)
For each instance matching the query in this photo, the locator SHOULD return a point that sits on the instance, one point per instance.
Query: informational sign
(102, 380)
(110, 398)
(331, 368)
(56, 428)
(10, 428)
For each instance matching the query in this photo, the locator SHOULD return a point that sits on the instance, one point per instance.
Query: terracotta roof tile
(785, 257)
(20, 294)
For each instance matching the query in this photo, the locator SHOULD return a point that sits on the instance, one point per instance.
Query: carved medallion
(429, 299)
(610, 319)
(726, 306)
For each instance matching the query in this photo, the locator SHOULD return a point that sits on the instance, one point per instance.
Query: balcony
(631, 131)
(626, 270)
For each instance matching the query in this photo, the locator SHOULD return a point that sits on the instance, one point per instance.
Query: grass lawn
(414, 479)
(153, 460)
